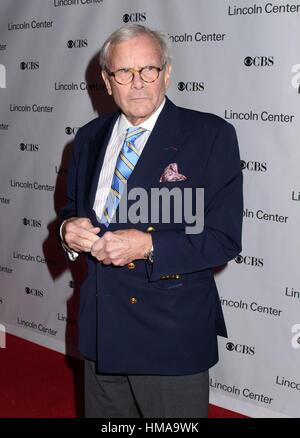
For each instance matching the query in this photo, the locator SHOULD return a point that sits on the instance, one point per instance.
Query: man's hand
(122, 247)
(79, 234)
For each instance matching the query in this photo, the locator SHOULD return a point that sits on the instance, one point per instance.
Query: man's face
(138, 100)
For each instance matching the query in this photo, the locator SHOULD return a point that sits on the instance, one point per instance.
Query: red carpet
(37, 382)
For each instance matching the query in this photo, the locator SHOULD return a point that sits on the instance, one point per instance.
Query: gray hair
(130, 31)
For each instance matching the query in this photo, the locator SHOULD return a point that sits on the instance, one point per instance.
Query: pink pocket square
(171, 174)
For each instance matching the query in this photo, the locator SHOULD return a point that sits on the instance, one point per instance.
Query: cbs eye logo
(230, 346)
(239, 259)
(248, 61)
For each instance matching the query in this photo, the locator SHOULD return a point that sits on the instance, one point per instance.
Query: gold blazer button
(131, 265)
(133, 300)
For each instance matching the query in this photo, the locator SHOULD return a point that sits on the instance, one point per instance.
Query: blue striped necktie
(127, 159)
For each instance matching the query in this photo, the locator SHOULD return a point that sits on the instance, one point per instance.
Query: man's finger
(94, 230)
(82, 233)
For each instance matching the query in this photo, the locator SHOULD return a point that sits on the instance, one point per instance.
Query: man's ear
(107, 82)
(168, 74)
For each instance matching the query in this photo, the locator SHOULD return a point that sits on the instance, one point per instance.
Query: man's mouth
(139, 98)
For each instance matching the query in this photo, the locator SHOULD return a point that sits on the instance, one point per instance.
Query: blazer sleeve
(70, 209)
(220, 241)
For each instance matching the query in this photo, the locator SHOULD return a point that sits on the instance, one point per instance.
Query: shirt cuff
(70, 252)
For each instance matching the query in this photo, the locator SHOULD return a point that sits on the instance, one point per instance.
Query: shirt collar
(123, 123)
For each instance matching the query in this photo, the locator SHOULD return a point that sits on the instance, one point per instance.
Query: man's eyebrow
(153, 64)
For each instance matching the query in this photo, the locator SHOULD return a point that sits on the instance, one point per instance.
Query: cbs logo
(259, 61)
(71, 131)
(240, 348)
(29, 147)
(254, 166)
(77, 44)
(32, 222)
(134, 17)
(30, 65)
(190, 86)
(34, 292)
(249, 261)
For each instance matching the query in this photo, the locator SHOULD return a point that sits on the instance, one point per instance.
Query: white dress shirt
(110, 159)
(112, 152)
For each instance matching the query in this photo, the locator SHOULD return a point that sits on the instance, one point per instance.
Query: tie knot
(133, 133)
(134, 128)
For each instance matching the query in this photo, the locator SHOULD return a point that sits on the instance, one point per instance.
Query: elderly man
(149, 308)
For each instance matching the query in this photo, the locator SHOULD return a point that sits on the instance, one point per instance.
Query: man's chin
(140, 110)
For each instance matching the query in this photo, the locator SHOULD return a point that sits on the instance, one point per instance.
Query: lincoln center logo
(58, 3)
(2, 76)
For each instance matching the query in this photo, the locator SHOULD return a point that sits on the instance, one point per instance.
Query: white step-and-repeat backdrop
(240, 60)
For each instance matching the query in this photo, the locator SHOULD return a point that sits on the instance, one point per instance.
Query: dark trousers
(140, 396)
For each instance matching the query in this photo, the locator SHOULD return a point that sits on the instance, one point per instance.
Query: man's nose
(137, 81)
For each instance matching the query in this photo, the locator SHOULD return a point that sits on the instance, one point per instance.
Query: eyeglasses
(125, 75)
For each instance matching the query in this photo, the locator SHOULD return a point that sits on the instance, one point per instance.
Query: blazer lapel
(163, 143)
(97, 148)
(159, 151)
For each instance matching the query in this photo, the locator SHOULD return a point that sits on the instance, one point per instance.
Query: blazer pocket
(167, 284)
(185, 281)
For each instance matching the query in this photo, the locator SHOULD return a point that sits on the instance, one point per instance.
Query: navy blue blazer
(164, 318)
